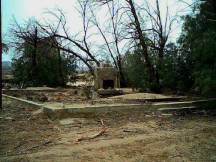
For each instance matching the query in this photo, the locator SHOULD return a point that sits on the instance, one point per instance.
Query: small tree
(135, 71)
(198, 46)
(39, 61)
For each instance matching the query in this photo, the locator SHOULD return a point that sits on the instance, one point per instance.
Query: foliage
(173, 72)
(198, 42)
(134, 70)
(47, 68)
(189, 66)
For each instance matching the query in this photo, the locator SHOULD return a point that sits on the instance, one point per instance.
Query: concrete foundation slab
(61, 110)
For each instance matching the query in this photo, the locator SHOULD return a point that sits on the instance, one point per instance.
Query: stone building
(106, 77)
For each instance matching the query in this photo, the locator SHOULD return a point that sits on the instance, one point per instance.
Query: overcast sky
(24, 9)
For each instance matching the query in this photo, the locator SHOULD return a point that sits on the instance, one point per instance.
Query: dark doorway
(108, 84)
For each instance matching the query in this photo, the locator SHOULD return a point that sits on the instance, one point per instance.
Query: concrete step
(177, 108)
(196, 103)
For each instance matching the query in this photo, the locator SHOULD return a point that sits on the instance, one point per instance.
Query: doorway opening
(108, 84)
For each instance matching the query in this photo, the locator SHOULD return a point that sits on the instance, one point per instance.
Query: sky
(24, 9)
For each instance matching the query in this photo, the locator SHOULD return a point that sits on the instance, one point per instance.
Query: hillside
(6, 67)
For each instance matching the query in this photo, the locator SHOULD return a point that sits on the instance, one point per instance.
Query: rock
(29, 97)
(75, 92)
(37, 112)
(95, 95)
(9, 118)
(148, 116)
(43, 98)
(167, 115)
(7, 86)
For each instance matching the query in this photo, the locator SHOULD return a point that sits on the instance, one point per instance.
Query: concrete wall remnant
(106, 77)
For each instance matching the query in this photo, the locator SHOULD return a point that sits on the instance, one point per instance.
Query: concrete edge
(31, 103)
(57, 113)
(31, 90)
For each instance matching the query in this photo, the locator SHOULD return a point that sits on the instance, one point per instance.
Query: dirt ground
(27, 134)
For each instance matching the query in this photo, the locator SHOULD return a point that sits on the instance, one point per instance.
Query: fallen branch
(42, 144)
(128, 131)
(20, 144)
(104, 129)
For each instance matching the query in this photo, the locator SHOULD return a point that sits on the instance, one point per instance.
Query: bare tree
(112, 35)
(134, 27)
(69, 43)
(159, 32)
(153, 37)
(142, 39)
(124, 16)
(79, 46)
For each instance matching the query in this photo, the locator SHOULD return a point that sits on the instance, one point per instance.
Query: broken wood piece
(19, 144)
(102, 123)
(104, 129)
(127, 130)
(93, 136)
(46, 142)
(42, 144)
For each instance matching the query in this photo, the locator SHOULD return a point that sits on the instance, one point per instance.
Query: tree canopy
(198, 46)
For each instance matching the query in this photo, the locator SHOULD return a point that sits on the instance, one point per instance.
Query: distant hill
(6, 67)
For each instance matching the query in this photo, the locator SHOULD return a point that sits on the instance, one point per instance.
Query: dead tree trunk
(61, 77)
(34, 56)
(1, 55)
(141, 38)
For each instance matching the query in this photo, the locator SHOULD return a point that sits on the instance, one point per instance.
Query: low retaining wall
(23, 101)
(32, 90)
(88, 111)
